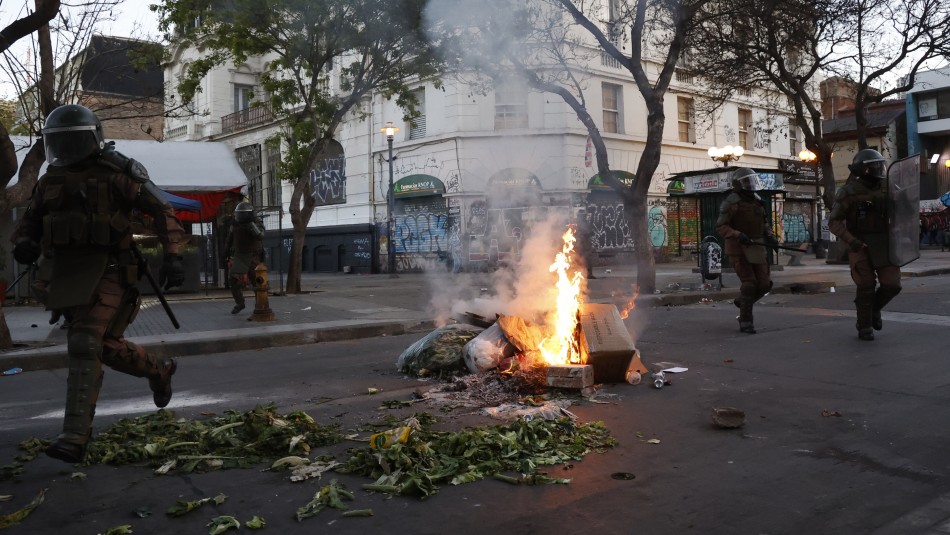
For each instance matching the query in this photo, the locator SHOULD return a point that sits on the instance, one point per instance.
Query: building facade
(475, 172)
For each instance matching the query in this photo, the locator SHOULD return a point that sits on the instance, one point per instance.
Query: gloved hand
(26, 251)
(744, 240)
(856, 245)
(173, 271)
(771, 240)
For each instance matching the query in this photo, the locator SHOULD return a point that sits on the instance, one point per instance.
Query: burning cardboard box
(606, 345)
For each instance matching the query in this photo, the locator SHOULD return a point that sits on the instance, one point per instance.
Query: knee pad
(83, 345)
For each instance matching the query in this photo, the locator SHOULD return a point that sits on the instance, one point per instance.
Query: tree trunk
(6, 341)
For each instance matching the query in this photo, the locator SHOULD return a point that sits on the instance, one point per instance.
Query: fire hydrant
(262, 311)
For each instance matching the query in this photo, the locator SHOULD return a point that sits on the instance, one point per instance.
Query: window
(242, 96)
(685, 115)
(745, 91)
(417, 128)
(612, 100)
(794, 142)
(745, 121)
(511, 108)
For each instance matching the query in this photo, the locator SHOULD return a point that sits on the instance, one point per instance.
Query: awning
(181, 204)
(719, 179)
(623, 176)
(209, 201)
(418, 186)
(177, 166)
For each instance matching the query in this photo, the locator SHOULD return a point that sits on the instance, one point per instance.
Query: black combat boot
(68, 447)
(162, 387)
(237, 308)
(866, 334)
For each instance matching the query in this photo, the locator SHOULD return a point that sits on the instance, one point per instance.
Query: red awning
(210, 202)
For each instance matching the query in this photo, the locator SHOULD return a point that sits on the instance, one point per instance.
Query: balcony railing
(247, 118)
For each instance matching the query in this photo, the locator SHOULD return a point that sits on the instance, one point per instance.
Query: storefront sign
(418, 186)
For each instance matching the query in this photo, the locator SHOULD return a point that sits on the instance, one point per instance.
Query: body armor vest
(749, 217)
(247, 238)
(81, 212)
(867, 213)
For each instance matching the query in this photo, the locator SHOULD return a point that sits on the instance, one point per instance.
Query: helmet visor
(749, 182)
(67, 147)
(875, 169)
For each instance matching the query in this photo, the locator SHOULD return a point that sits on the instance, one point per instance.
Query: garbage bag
(440, 350)
(486, 350)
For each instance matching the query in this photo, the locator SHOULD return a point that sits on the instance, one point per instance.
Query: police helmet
(745, 179)
(243, 212)
(71, 134)
(868, 163)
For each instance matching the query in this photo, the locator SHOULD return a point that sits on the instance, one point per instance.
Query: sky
(132, 18)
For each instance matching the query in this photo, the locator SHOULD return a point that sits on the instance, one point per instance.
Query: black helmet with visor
(71, 134)
(868, 163)
(745, 179)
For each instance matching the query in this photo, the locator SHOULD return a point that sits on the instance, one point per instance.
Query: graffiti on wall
(796, 223)
(328, 181)
(656, 225)
(609, 226)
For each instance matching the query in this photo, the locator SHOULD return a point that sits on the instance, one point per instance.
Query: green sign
(627, 179)
(418, 186)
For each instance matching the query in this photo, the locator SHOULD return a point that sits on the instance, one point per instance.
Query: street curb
(926, 272)
(179, 345)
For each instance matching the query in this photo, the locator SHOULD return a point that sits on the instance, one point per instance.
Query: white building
(474, 173)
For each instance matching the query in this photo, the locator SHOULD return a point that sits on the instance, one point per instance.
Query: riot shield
(903, 186)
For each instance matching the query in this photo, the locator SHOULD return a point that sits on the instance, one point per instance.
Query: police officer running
(859, 219)
(742, 223)
(78, 218)
(245, 250)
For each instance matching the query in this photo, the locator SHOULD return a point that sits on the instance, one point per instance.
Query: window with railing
(684, 76)
(240, 120)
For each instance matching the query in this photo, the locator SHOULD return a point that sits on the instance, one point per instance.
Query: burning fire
(631, 303)
(562, 347)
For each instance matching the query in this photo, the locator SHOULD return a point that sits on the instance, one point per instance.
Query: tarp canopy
(179, 166)
(198, 174)
(181, 203)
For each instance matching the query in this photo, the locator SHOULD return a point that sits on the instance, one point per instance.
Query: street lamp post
(809, 157)
(390, 131)
(726, 154)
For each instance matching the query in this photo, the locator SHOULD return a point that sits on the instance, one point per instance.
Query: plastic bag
(440, 350)
(486, 350)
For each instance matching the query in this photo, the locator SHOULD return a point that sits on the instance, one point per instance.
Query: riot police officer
(859, 219)
(245, 250)
(743, 226)
(78, 218)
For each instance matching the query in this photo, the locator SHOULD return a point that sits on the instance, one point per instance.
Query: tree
(376, 46)
(791, 45)
(35, 22)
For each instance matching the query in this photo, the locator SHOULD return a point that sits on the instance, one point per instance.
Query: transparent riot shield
(903, 185)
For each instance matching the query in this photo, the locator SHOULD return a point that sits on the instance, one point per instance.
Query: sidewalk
(340, 307)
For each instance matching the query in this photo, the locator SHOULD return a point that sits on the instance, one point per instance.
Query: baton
(20, 276)
(151, 281)
(777, 246)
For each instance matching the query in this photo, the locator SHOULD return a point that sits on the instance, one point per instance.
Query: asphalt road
(879, 467)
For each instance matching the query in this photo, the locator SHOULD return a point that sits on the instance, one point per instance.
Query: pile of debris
(493, 362)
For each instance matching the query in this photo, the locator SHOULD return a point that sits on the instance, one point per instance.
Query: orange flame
(631, 304)
(562, 347)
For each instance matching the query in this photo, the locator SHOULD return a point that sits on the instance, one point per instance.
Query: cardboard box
(574, 376)
(607, 345)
